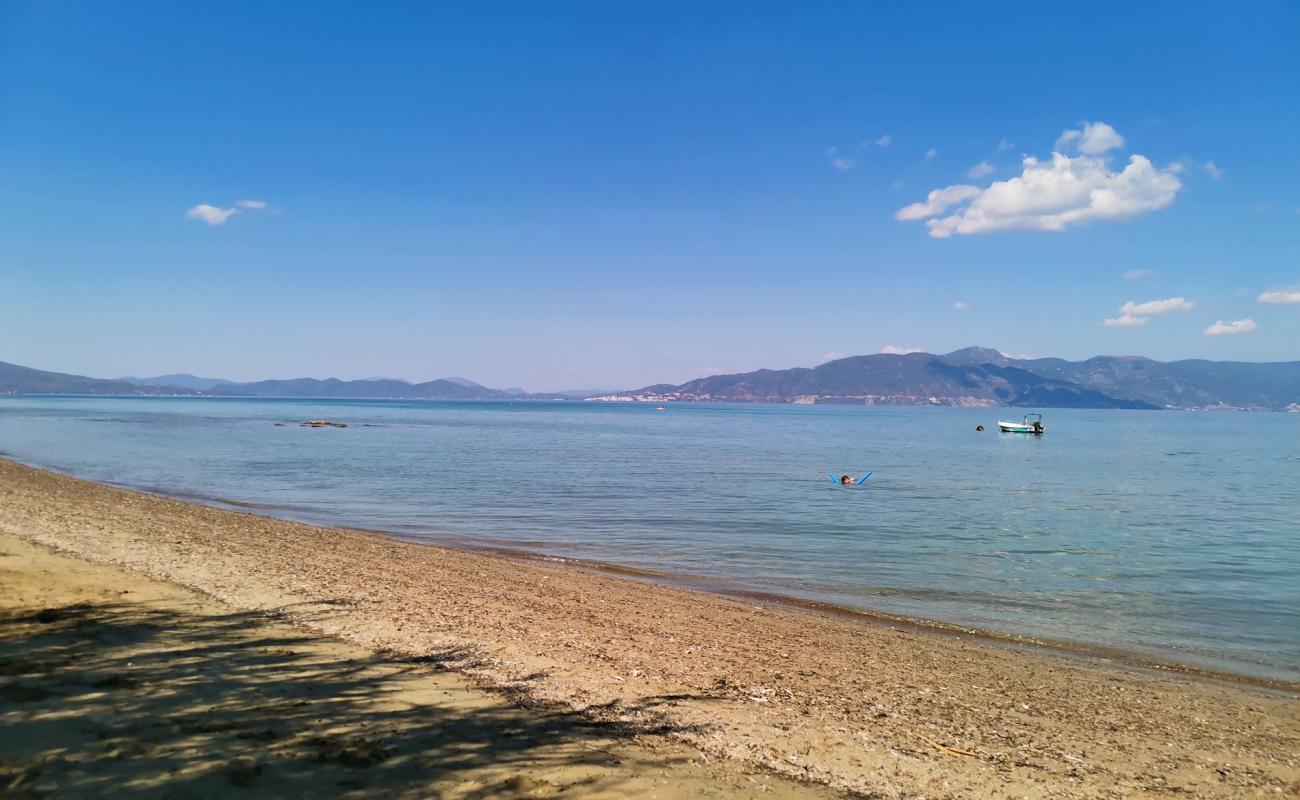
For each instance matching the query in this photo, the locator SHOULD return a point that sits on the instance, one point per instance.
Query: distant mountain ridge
(183, 379)
(15, 379)
(980, 376)
(440, 389)
(974, 376)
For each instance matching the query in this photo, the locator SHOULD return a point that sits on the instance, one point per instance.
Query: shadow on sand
(111, 700)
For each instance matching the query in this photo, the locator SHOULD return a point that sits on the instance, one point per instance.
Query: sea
(1173, 535)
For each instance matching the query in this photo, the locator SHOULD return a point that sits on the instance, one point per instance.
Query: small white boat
(1033, 424)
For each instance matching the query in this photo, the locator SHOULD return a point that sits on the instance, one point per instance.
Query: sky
(607, 195)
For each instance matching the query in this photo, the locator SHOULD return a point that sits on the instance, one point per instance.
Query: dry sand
(881, 710)
(114, 685)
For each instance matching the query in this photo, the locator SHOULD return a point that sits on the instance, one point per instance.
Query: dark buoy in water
(979, 428)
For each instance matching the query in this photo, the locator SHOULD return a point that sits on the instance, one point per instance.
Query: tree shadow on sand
(111, 700)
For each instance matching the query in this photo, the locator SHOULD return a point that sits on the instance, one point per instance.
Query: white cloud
(1095, 139)
(1153, 307)
(215, 215)
(931, 153)
(1139, 274)
(831, 356)
(211, 214)
(899, 351)
(1288, 296)
(937, 202)
(1017, 356)
(1214, 170)
(1053, 196)
(840, 162)
(1222, 328)
(1004, 145)
(980, 170)
(961, 305)
(1134, 314)
(884, 141)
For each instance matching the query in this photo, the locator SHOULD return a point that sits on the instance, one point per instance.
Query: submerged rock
(322, 423)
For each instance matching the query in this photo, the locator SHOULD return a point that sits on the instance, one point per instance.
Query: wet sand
(879, 709)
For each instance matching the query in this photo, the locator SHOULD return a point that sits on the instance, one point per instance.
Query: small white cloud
(894, 350)
(896, 184)
(1214, 170)
(980, 170)
(1004, 145)
(832, 356)
(1134, 314)
(1125, 321)
(961, 305)
(1065, 192)
(1139, 274)
(937, 202)
(211, 214)
(1017, 356)
(840, 162)
(1288, 296)
(1153, 307)
(251, 204)
(1095, 139)
(1222, 328)
(931, 153)
(884, 141)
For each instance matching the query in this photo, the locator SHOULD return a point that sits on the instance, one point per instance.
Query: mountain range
(979, 376)
(974, 376)
(16, 379)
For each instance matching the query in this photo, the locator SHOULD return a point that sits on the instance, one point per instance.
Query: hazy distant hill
(441, 389)
(1182, 384)
(979, 376)
(25, 380)
(179, 379)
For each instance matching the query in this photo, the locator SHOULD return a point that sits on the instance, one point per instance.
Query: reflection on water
(1173, 533)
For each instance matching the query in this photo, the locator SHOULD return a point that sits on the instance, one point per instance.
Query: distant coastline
(976, 377)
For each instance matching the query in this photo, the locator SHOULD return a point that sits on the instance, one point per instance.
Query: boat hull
(1016, 427)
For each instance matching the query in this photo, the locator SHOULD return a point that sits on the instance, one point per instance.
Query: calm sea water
(1175, 534)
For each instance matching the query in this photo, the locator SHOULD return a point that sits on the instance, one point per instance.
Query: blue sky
(560, 195)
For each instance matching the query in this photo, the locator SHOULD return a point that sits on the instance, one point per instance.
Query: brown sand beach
(224, 649)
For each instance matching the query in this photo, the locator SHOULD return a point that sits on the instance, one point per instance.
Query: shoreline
(722, 587)
(826, 697)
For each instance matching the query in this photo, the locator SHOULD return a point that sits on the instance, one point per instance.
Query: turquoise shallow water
(1173, 534)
